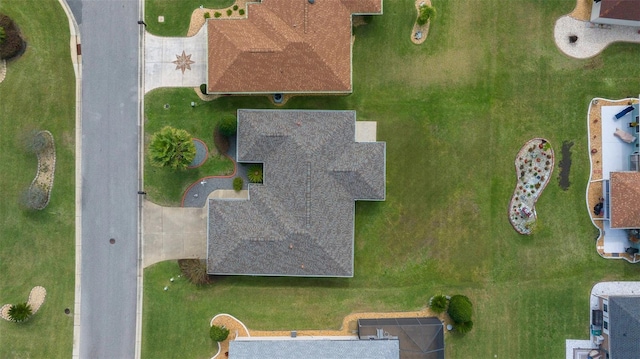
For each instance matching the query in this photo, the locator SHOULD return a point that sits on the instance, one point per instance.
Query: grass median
(37, 248)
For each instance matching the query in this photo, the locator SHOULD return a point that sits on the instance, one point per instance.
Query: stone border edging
(3, 70)
(41, 163)
(226, 340)
(530, 202)
(424, 28)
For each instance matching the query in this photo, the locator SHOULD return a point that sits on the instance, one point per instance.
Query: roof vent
(311, 1)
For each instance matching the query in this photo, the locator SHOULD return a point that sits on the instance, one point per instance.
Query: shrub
(203, 89)
(241, 11)
(221, 141)
(229, 12)
(217, 14)
(464, 327)
(218, 334)
(237, 184)
(12, 44)
(255, 173)
(228, 125)
(460, 309)
(207, 15)
(426, 13)
(172, 147)
(20, 312)
(195, 270)
(438, 303)
(235, 7)
(35, 198)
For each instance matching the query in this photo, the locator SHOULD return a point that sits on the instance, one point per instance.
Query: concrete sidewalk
(173, 233)
(162, 61)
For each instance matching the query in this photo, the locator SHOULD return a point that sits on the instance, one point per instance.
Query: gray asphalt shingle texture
(624, 332)
(314, 349)
(300, 221)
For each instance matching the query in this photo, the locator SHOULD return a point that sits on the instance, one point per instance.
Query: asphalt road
(110, 49)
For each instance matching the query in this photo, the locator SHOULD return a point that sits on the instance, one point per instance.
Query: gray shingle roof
(300, 221)
(624, 327)
(420, 338)
(314, 349)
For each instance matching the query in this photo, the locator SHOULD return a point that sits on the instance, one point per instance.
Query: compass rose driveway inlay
(175, 61)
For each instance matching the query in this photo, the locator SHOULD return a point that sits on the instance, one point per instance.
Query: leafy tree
(426, 12)
(464, 327)
(460, 309)
(218, 334)
(228, 125)
(237, 184)
(172, 147)
(438, 303)
(254, 173)
(11, 43)
(20, 312)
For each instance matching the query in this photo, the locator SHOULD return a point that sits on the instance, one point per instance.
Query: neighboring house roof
(622, 12)
(625, 199)
(300, 222)
(285, 46)
(313, 349)
(420, 338)
(624, 327)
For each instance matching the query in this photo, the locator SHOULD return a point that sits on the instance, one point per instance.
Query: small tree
(460, 309)
(20, 312)
(254, 173)
(438, 303)
(228, 125)
(172, 147)
(237, 184)
(12, 43)
(218, 334)
(465, 327)
(195, 270)
(426, 12)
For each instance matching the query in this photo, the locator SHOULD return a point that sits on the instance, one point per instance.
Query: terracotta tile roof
(625, 199)
(285, 46)
(620, 9)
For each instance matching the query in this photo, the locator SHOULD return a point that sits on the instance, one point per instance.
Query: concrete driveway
(165, 65)
(173, 233)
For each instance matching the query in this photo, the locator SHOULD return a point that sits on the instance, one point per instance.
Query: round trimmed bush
(229, 12)
(228, 125)
(460, 309)
(207, 15)
(217, 14)
(218, 334)
(464, 327)
(20, 312)
(438, 303)
(12, 44)
(203, 89)
(237, 184)
(241, 11)
(235, 7)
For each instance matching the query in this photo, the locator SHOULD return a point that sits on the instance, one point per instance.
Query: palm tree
(20, 312)
(172, 147)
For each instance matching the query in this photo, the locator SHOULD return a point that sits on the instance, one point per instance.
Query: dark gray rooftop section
(300, 222)
(313, 349)
(624, 328)
(420, 338)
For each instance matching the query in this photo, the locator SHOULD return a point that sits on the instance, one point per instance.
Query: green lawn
(37, 248)
(453, 112)
(177, 14)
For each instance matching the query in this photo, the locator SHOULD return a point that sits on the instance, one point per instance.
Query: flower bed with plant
(37, 196)
(534, 166)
